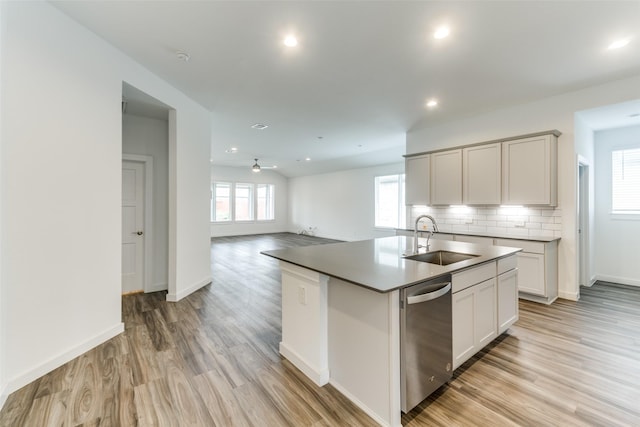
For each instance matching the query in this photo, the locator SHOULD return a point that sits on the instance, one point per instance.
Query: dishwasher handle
(428, 296)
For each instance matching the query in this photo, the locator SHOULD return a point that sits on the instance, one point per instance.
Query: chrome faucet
(415, 232)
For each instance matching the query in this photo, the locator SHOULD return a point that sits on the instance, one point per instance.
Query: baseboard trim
(320, 378)
(57, 361)
(377, 418)
(619, 280)
(157, 287)
(3, 395)
(191, 289)
(572, 296)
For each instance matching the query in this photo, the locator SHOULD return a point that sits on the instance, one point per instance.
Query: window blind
(625, 180)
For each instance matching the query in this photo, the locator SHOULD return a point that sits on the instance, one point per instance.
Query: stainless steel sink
(441, 257)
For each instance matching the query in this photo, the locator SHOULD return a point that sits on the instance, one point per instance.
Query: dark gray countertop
(378, 264)
(545, 239)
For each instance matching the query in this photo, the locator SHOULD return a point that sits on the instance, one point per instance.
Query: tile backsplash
(511, 220)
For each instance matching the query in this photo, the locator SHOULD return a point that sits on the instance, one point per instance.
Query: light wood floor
(212, 360)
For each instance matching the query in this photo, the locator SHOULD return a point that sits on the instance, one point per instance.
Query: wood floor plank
(212, 359)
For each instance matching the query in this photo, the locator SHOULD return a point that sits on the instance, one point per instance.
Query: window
(625, 181)
(264, 202)
(221, 202)
(244, 202)
(390, 208)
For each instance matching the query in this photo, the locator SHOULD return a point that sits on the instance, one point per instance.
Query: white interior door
(132, 226)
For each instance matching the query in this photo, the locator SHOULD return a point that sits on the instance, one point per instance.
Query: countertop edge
(281, 255)
(543, 239)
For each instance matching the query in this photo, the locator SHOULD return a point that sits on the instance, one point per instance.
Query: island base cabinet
(507, 300)
(474, 322)
(304, 321)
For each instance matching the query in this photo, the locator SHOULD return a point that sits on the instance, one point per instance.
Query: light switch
(302, 295)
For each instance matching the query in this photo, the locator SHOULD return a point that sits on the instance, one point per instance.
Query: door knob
(139, 233)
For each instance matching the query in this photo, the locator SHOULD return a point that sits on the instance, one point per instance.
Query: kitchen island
(341, 311)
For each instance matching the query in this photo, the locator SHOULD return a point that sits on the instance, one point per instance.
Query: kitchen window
(265, 202)
(625, 181)
(221, 202)
(389, 201)
(242, 202)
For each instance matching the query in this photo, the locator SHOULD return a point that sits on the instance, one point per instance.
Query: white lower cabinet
(537, 269)
(484, 309)
(507, 300)
(531, 273)
(474, 317)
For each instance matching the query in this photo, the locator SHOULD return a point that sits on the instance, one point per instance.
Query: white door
(132, 226)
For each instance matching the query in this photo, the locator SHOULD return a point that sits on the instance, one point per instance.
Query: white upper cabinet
(417, 180)
(529, 171)
(446, 177)
(516, 171)
(481, 174)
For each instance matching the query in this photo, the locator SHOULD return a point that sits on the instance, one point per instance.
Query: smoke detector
(183, 56)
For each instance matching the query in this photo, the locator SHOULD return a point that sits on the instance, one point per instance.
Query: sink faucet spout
(415, 232)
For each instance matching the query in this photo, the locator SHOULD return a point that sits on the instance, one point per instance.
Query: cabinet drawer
(506, 264)
(473, 276)
(526, 245)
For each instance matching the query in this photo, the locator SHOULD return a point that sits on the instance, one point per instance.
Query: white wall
(340, 205)
(550, 113)
(245, 175)
(3, 382)
(617, 241)
(584, 138)
(150, 137)
(61, 189)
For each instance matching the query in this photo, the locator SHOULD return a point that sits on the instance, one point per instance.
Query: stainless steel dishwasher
(425, 339)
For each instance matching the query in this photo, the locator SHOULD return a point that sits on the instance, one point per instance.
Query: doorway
(133, 226)
(145, 238)
(584, 275)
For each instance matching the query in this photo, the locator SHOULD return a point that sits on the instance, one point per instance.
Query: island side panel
(304, 321)
(364, 349)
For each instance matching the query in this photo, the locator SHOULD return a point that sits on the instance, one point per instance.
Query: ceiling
(363, 70)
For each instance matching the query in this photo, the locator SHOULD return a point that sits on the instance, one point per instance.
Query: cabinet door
(446, 178)
(417, 180)
(507, 300)
(482, 178)
(486, 327)
(529, 171)
(463, 307)
(531, 273)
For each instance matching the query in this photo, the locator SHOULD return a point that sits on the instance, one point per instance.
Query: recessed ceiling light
(619, 43)
(232, 150)
(307, 159)
(441, 32)
(290, 41)
(183, 56)
(432, 103)
(260, 126)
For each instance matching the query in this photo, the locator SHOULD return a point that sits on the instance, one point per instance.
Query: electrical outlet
(302, 295)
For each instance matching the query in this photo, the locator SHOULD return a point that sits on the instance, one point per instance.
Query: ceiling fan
(257, 168)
